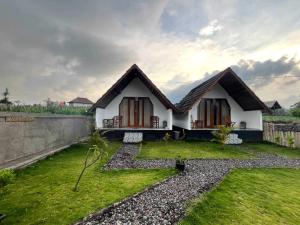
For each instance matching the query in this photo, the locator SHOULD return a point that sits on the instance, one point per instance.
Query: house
(81, 102)
(134, 103)
(224, 99)
(273, 105)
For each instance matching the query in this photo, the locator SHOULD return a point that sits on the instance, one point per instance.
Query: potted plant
(180, 164)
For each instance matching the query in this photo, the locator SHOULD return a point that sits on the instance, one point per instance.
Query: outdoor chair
(117, 121)
(155, 121)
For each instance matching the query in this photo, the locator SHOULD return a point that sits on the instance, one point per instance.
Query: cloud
(211, 28)
(60, 50)
(270, 79)
(258, 73)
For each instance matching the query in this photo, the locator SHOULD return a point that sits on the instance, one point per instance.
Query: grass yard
(42, 194)
(274, 149)
(199, 149)
(285, 119)
(259, 196)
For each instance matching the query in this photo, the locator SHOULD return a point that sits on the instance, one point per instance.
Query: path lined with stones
(165, 203)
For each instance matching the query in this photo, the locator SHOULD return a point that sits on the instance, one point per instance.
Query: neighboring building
(273, 105)
(135, 103)
(81, 102)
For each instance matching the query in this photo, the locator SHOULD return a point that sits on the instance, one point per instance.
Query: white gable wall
(182, 120)
(252, 118)
(135, 88)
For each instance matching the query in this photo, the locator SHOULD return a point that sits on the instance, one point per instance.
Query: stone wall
(25, 138)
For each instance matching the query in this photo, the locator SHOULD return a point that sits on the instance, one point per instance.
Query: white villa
(135, 103)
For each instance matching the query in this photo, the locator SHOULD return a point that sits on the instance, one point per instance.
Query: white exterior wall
(99, 117)
(181, 120)
(252, 118)
(135, 89)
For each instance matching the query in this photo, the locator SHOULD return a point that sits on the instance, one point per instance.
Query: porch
(135, 113)
(149, 134)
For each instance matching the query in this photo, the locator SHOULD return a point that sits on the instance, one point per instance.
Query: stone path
(165, 203)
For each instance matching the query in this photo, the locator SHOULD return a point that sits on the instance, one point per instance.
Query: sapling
(221, 135)
(96, 151)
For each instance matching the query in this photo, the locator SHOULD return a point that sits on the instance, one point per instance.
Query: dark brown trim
(205, 113)
(143, 113)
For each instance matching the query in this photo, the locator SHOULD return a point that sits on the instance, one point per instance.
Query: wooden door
(136, 112)
(132, 112)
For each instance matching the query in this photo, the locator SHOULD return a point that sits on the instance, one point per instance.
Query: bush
(167, 137)
(290, 141)
(295, 112)
(221, 135)
(66, 110)
(6, 176)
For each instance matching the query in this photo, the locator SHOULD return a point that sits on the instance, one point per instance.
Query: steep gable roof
(273, 104)
(234, 86)
(81, 101)
(133, 72)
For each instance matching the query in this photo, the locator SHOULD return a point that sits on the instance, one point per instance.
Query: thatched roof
(133, 72)
(234, 86)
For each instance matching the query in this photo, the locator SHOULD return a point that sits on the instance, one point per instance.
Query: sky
(63, 49)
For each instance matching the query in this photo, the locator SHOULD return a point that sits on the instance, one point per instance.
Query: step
(133, 137)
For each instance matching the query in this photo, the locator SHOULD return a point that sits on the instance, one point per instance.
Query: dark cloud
(40, 52)
(256, 74)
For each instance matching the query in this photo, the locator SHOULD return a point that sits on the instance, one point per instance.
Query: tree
(221, 135)
(5, 97)
(296, 105)
(96, 151)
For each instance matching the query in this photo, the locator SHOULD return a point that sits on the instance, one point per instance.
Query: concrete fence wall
(280, 133)
(25, 138)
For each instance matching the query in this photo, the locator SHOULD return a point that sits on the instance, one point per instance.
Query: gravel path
(165, 203)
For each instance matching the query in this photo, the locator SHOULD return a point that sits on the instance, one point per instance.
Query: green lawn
(42, 193)
(274, 149)
(293, 119)
(198, 149)
(259, 196)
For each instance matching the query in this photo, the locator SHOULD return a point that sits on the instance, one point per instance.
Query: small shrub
(295, 112)
(221, 135)
(6, 176)
(290, 141)
(277, 140)
(167, 137)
